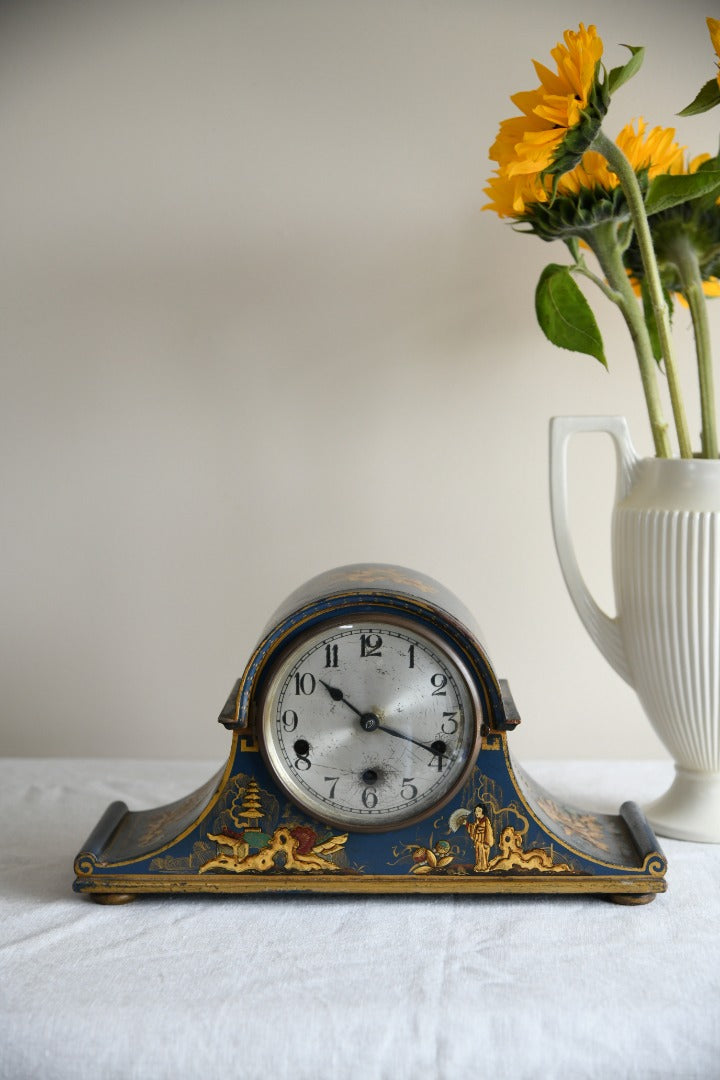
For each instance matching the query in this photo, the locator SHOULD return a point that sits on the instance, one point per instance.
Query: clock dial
(370, 724)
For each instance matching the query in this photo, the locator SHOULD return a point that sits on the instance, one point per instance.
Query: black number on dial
(370, 645)
(304, 684)
(408, 790)
(289, 720)
(439, 749)
(449, 718)
(439, 681)
(302, 749)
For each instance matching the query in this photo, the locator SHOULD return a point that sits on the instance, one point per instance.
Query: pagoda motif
(249, 813)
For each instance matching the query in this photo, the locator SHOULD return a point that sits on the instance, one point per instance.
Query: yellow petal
(714, 28)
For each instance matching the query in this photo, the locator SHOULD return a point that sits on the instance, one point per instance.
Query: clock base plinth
(380, 885)
(239, 834)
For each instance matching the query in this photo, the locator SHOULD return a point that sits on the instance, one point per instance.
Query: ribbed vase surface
(666, 565)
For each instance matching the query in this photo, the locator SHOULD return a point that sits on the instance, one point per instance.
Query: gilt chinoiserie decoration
(370, 754)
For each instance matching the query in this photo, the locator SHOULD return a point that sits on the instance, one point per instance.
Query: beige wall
(254, 325)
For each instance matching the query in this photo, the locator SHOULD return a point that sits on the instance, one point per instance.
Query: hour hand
(337, 695)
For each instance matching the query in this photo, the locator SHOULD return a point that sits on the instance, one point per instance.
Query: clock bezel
(273, 672)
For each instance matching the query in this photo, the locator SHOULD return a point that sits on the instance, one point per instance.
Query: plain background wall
(254, 324)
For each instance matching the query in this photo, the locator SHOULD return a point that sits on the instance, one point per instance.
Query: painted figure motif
(480, 831)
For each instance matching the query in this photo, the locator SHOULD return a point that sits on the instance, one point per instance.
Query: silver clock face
(369, 725)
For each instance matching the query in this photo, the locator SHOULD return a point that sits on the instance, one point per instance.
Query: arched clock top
(376, 591)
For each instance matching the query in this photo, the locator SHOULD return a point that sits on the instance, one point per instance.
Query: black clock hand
(437, 748)
(337, 695)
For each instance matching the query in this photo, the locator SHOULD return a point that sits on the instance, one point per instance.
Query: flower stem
(629, 183)
(582, 268)
(603, 241)
(682, 253)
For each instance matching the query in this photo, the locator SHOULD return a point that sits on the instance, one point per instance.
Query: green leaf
(711, 165)
(564, 314)
(620, 75)
(707, 99)
(651, 321)
(666, 191)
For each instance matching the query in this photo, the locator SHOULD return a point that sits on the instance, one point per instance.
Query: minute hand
(434, 749)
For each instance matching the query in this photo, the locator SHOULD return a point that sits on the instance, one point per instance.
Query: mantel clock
(370, 754)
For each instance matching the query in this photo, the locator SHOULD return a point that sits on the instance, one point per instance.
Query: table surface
(343, 987)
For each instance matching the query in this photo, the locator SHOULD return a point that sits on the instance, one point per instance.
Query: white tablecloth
(369, 987)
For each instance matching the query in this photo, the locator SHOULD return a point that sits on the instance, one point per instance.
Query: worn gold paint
(380, 883)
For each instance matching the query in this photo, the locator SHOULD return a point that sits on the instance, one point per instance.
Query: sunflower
(696, 223)
(556, 124)
(649, 152)
(590, 194)
(714, 28)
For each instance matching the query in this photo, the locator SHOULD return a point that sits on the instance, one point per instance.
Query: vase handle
(604, 631)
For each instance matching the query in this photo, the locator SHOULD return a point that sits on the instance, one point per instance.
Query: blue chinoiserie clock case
(370, 754)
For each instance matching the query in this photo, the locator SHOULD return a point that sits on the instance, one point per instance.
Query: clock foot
(631, 899)
(112, 898)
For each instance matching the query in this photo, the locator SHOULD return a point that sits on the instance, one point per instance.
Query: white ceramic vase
(665, 639)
